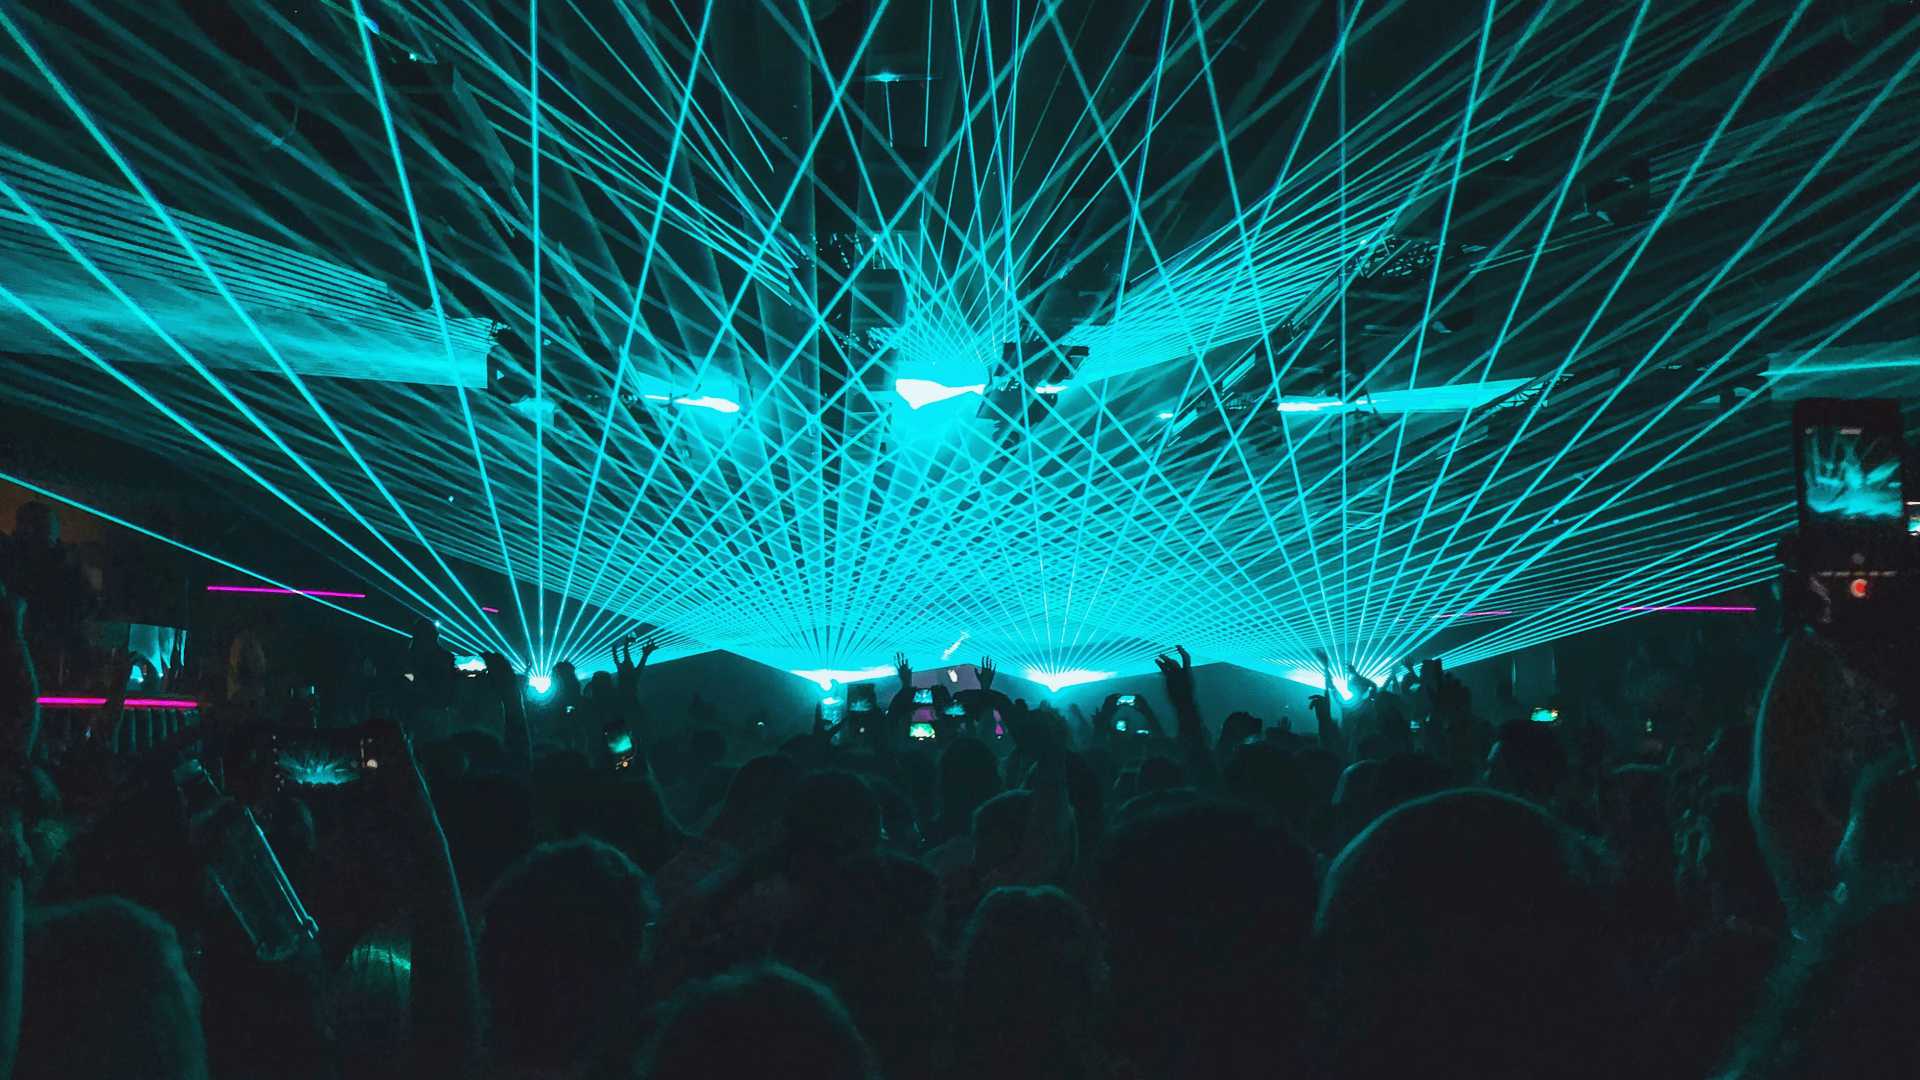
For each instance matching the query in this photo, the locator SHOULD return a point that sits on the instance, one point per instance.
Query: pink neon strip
(1479, 614)
(1730, 608)
(328, 593)
(59, 701)
(490, 610)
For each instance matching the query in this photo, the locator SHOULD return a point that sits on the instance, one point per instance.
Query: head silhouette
(1527, 760)
(1031, 982)
(999, 829)
(1207, 908)
(1462, 932)
(563, 953)
(757, 797)
(833, 813)
(36, 524)
(969, 776)
(107, 994)
(761, 1022)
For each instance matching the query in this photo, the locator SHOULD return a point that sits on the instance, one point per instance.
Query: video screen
(1852, 475)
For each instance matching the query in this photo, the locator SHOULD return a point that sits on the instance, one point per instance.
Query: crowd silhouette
(473, 880)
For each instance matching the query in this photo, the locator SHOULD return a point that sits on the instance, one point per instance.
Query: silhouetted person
(1843, 1003)
(762, 1022)
(1207, 910)
(563, 954)
(1706, 993)
(1527, 760)
(107, 994)
(969, 776)
(1031, 988)
(749, 821)
(36, 567)
(1463, 934)
(431, 665)
(865, 927)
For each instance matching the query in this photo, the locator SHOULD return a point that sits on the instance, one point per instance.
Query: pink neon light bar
(1478, 614)
(266, 590)
(490, 610)
(1746, 609)
(61, 701)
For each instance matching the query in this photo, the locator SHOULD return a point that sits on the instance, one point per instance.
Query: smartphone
(1853, 549)
(955, 710)
(860, 698)
(1126, 699)
(919, 731)
(310, 757)
(1544, 715)
(832, 709)
(619, 744)
(923, 696)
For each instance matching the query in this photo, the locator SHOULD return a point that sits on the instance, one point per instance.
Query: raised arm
(1325, 729)
(1797, 834)
(1189, 731)
(1362, 685)
(445, 991)
(1050, 846)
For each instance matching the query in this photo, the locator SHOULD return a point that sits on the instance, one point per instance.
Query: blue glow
(541, 685)
(1312, 417)
(826, 678)
(1844, 480)
(919, 393)
(316, 771)
(1425, 399)
(717, 404)
(1057, 681)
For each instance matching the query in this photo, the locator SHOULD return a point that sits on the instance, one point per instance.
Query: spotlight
(541, 685)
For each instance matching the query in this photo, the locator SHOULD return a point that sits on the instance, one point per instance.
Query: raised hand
(1178, 675)
(904, 669)
(986, 671)
(647, 649)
